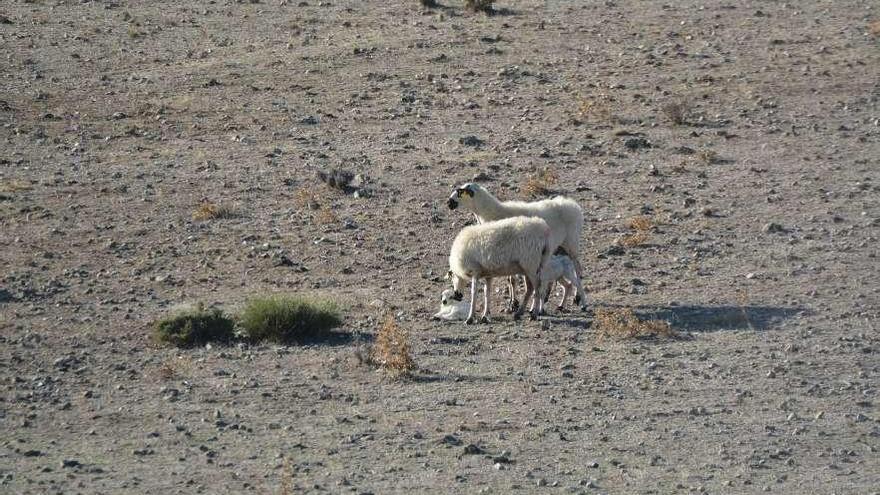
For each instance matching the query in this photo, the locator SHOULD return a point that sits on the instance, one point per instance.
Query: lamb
(452, 308)
(564, 216)
(512, 246)
(560, 269)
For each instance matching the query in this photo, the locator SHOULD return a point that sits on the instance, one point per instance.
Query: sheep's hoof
(469, 321)
(533, 316)
(485, 319)
(577, 299)
(513, 306)
(517, 316)
(560, 308)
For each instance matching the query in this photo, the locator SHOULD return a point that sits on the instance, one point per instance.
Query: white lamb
(512, 246)
(452, 308)
(560, 269)
(564, 216)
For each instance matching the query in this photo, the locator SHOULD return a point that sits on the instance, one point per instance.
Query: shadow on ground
(714, 318)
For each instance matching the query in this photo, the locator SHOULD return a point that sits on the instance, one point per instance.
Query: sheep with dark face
(564, 216)
(511, 246)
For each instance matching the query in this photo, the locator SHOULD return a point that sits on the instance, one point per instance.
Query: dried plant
(208, 210)
(624, 324)
(391, 350)
(541, 183)
(305, 199)
(642, 226)
(677, 111)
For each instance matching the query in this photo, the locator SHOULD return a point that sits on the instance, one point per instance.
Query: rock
(472, 141)
(450, 440)
(772, 227)
(471, 449)
(70, 463)
(707, 212)
(636, 143)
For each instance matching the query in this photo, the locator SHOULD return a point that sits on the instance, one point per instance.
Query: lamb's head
(450, 297)
(463, 195)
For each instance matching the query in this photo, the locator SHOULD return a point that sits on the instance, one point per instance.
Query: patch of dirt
(119, 120)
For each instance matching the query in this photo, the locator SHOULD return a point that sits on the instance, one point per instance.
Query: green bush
(193, 326)
(286, 319)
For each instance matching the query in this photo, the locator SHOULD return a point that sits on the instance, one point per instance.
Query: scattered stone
(70, 463)
(472, 141)
(636, 143)
(772, 228)
(471, 449)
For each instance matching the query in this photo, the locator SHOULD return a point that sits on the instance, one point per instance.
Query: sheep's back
(499, 246)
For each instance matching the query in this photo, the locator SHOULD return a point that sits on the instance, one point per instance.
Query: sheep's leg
(531, 292)
(512, 303)
(470, 317)
(487, 288)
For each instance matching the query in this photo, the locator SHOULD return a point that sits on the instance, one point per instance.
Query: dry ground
(119, 120)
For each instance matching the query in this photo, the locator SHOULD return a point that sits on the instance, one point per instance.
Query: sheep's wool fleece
(490, 246)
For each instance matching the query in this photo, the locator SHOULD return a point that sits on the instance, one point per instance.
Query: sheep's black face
(465, 191)
(458, 296)
(452, 203)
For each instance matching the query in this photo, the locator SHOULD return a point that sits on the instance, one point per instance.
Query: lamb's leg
(580, 296)
(566, 290)
(578, 299)
(512, 303)
(470, 318)
(487, 288)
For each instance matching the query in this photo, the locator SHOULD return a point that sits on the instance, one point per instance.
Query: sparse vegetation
(391, 350)
(208, 211)
(288, 318)
(642, 226)
(874, 28)
(707, 156)
(677, 111)
(624, 324)
(337, 179)
(305, 199)
(13, 185)
(326, 216)
(479, 5)
(191, 326)
(594, 109)
(540, 183)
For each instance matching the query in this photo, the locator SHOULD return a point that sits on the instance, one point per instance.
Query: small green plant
(479, 5)
(192, 326)
(288, 318)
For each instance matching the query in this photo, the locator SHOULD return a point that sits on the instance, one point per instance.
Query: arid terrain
(745, 133)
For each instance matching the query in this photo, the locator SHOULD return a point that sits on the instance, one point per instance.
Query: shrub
(540, 184)
(479, 5)
(191, 326)
(677, 111)
(288, 318)
(208, 210)
(624, 324)
(391, 349)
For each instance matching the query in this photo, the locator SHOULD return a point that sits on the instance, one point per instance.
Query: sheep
(452, 308)
(561, 269)
(512, 246)
(564, 216)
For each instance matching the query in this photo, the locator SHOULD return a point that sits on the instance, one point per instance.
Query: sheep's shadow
(696, 318)
(428, 376)
(335, 339)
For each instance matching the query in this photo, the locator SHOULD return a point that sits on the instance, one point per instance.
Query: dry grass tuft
(677, 111)
(624, 324)
(642, 226)
(391, 350)
(479, 5)
(13, 185)
(594, 109)
(708, 156)
(305, 200)
(874, 28)
(208, 211)
(326, 216)
(541, 183)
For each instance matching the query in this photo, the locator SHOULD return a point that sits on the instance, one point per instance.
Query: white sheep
(560, 269)
(512, 246)
(564, 216)
(452, 308)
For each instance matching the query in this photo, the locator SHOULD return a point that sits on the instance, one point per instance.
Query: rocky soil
(748, 132)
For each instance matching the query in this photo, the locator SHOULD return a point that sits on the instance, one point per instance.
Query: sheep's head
(462, 195)
(457, 284)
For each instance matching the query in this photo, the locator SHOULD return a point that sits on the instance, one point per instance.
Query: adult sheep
(512, 246)
(564, 216)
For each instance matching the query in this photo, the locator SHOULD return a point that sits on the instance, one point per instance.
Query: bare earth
(120, 118)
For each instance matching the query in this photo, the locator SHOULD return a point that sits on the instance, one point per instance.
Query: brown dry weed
(391, 350)
(208, 211)
(541, 183)
(624, 324)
